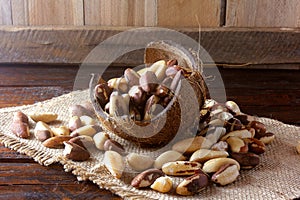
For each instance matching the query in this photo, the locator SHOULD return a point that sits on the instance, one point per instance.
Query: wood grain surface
(68, 45)
(269, 93)
(266, 13)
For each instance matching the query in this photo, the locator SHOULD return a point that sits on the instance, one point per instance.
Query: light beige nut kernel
(268, 138)
(162, 184)
(159, 68)
(87, 120)
(75, 152)
(220, 146)
(226, 174)
(99, 139)
(119, 84)
(233, 107)
(189, 145)
(42, 131)
(237, 144)
(203, 155)
(56, 142)
(88, 130)
(181, 168)
(79, 110)
(61, 130)
(118, 106)
(167, 156)
(244, 133)
(44, 117)
(215, 164)
(139, 162)
(114, 162)
(74, 123)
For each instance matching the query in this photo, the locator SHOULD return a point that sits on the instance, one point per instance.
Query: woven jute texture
(277, 176)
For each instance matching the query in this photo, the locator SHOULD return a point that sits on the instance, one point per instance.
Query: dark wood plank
(73, 44)
(85, 190)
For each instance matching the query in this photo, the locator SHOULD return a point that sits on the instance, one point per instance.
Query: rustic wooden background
(234, 32)
(166, 13)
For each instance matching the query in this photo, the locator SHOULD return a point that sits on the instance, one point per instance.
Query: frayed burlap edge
(99, 175)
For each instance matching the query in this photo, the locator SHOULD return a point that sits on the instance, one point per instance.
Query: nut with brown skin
(56, 142)
(118, 106)
(114, 162)
(20, 125)
(148, 81)
(267, 138)
(226, 174)
(255, 146)
(43, 116)
(260, 129)
(203, 155)
(167, 156)
(181, 168)
(61, 130)
(75, 152)
(159, 68)
(118, 84)
(237, 144)
(75, 123)
(132, 77)
(298, 147)
(20, 129)
(193, 184)
(102, 93)
(99, 139)
(172, 62)
(246, 160)
(152, 108)
(84, 141)
(88, 130)
(233, 107)
(162, 184)
(112, 145)
(215, 164)
(20, 116)
(79, 110)
(146, 178)
(220, 146)
(137, 95)
(42, 131)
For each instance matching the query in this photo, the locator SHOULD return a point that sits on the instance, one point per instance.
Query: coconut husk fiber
(276, 177)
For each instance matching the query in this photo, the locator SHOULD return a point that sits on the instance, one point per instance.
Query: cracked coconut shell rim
(181, 113)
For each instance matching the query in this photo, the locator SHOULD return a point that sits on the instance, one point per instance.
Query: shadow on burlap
(277, 176)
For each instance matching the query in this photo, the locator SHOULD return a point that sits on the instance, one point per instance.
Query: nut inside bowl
(181, 112)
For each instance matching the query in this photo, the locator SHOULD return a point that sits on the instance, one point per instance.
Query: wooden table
(262, 92)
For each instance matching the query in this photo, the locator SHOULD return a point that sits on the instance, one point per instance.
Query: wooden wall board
(47, 12)
(266, 13)
(5, 12)
(182, 13)
(225, 45)
(119, 13)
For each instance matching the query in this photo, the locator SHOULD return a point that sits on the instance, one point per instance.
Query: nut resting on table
(226, 142)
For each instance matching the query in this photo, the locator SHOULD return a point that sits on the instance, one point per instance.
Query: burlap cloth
(277, 176)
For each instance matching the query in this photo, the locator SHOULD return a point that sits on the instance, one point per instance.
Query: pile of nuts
(227, 140)
(141, 95)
